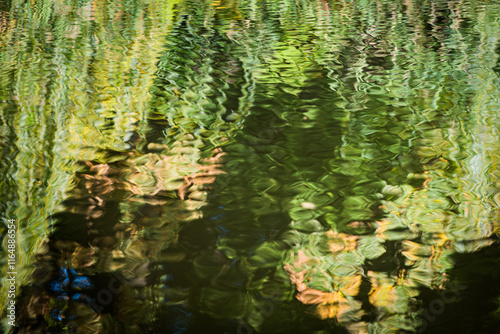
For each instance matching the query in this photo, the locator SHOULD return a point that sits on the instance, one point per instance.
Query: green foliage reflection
(325, 158)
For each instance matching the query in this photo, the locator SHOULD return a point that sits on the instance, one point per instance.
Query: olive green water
(273, 166)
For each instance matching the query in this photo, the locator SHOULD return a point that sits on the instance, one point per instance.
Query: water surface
(308, 166)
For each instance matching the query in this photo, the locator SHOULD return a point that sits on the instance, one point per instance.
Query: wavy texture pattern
(251, 166)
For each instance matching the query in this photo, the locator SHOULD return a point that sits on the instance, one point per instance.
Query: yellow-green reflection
(246, 163)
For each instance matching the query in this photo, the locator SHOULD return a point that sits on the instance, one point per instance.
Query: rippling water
(308, 166)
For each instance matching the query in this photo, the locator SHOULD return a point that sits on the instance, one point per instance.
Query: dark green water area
(250, 166)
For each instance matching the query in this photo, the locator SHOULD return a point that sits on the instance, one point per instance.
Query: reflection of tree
(400, 143)
(126, 205)
(94, 247)
(431, 215)
(51, 58)
(64, 68)
(358, 122)
(428, 229)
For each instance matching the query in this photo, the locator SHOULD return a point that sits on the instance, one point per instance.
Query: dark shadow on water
(472, 304)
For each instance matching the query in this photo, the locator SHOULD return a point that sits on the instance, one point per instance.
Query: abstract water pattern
(308, 166)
